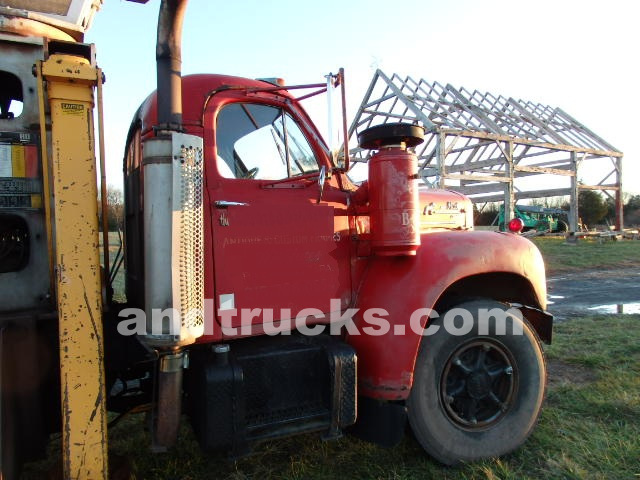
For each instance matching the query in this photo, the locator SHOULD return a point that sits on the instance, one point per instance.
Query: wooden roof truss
(482, 144)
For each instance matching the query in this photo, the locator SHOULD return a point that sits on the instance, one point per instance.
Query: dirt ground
(563, 373)
(594, 292)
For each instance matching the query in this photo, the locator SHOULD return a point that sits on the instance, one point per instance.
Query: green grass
(118, 283)
(560, 256)
(589, 428)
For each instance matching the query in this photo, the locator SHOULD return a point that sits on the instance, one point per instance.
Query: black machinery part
(391, 134)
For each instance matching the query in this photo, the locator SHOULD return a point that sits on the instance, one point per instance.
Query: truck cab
(269, 243)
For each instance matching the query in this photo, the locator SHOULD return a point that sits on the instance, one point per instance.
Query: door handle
(226, 203)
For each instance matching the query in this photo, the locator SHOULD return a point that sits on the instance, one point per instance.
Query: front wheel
(562, 227)
(477, 395)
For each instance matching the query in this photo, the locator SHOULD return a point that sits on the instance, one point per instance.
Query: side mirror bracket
(322, 177)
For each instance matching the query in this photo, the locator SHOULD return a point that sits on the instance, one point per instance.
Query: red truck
(285, 231)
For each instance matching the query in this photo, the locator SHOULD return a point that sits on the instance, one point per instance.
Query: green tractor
(536, 218)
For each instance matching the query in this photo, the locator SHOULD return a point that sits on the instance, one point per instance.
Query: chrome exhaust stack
(173, 183)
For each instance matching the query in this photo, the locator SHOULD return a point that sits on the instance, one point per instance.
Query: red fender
(402, 285)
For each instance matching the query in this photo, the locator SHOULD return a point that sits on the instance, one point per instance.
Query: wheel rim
(478, 383)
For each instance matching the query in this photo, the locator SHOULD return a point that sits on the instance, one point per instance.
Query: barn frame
(486, 146)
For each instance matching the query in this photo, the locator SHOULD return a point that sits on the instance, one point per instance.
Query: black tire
(562, 226)
(448, 413)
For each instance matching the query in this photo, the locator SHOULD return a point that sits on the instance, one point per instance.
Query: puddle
(555, 279)
(554, 297)
(628, 308)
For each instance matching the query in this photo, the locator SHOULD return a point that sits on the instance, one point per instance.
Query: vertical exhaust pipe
(158, 223)
(169, 64)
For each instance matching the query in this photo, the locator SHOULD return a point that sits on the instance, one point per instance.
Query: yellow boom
(70, 79)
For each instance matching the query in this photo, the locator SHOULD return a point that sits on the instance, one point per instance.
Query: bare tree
(115, 208)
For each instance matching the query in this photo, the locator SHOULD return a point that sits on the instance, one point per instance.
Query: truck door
(275, 248)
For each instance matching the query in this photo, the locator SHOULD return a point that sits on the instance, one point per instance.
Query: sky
(580, 55)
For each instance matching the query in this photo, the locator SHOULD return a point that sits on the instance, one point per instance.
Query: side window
(11, 97)
(262, 142)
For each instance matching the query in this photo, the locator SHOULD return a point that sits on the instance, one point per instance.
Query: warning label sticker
(72, 108)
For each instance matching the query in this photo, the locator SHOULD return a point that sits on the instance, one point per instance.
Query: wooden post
(573, 202)
(509, 195)
(442, 157)
(619, 200)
